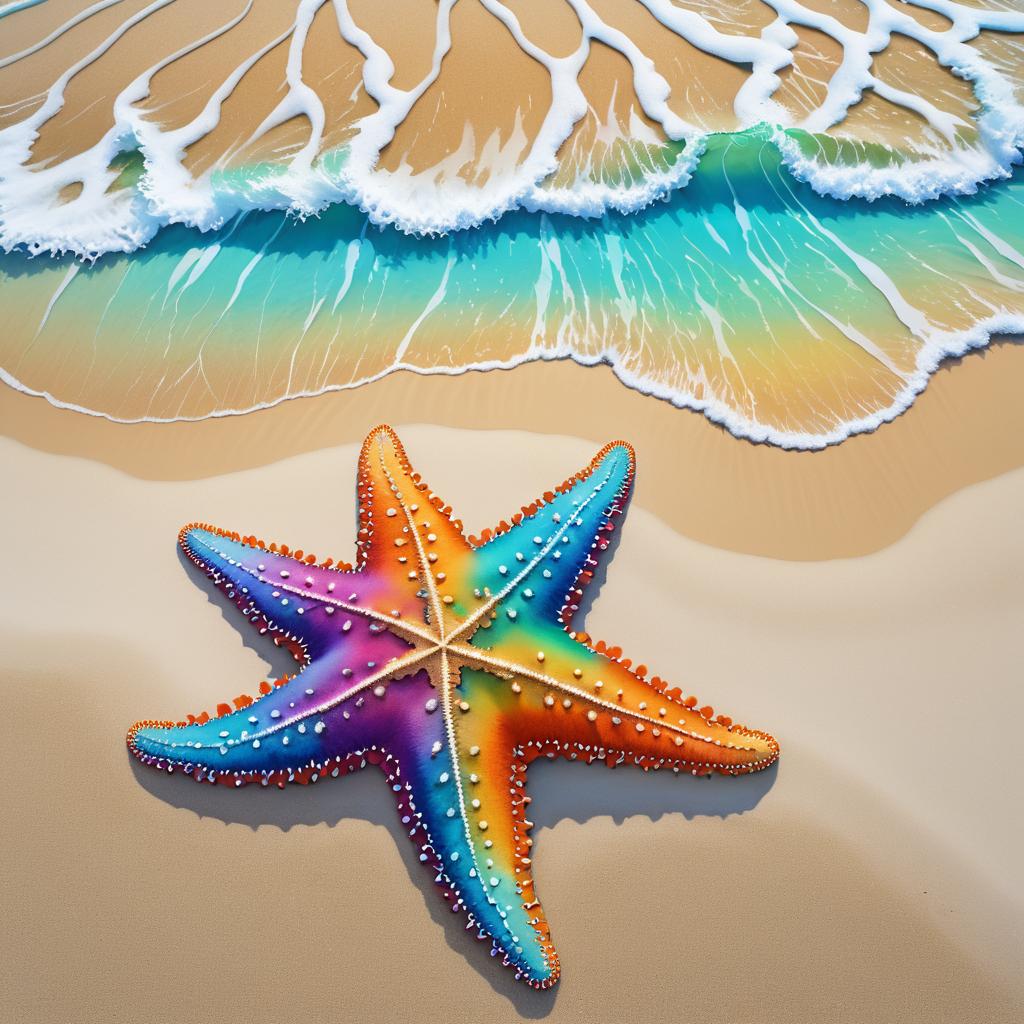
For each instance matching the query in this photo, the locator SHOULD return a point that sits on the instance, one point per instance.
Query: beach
(870, 876)
(777, 247)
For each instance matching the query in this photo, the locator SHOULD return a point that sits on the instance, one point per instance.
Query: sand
(848, 500)
(874, 876)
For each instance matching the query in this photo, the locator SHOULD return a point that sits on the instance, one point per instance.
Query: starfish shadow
(593, 590)
(560, 791)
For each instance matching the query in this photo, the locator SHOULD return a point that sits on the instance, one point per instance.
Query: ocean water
(783, 215)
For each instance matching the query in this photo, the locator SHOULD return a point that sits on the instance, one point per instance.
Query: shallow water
(712, 242)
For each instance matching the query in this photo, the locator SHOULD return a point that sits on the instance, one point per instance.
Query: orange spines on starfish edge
(673, 693)
(243, 700)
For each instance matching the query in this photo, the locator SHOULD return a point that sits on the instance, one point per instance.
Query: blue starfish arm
(541, 562)
(462, 817)
(326, 713)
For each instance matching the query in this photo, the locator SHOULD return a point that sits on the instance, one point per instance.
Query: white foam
(17, 5)
(956, 172)
(33, 216)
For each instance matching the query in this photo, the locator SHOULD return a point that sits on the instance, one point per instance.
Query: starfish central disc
(451, 662)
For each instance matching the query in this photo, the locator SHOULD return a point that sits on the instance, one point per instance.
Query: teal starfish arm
(465, 799)
(539, 565)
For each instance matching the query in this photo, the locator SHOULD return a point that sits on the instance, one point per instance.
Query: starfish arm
(539, 565)
(275, 591)
(572, 698)
(468, 822)
(407, 535)
(302, 605)
(331, 710)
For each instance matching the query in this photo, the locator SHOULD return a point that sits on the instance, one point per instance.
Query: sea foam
(747, 296)
(36, 215)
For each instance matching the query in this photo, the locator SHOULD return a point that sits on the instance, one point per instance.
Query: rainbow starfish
(448, 662)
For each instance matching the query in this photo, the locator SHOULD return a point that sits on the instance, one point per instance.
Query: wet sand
(848, 500)
(872, 877)
(468, 109)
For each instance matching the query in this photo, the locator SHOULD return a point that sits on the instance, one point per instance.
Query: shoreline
(843, 571)
(840, 502)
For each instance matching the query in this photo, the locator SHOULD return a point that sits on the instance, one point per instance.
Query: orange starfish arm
(406, 532)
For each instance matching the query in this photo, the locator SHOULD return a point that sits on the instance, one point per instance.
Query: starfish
(451, 662)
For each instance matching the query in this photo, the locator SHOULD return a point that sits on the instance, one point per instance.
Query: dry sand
(874, 876)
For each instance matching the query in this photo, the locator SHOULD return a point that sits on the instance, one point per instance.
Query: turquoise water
(784, 314)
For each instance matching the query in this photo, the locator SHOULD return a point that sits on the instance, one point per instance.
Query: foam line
(17, 5)
(953, 345)
(84, 15)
